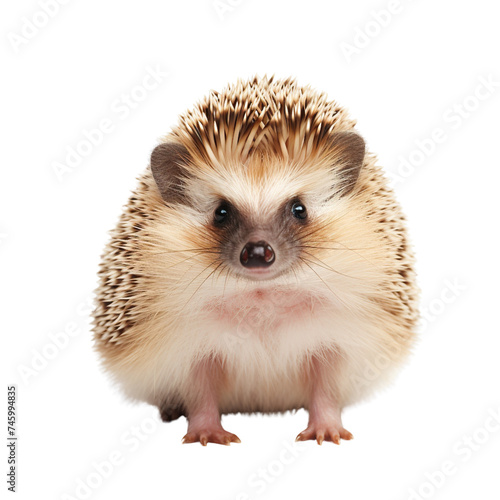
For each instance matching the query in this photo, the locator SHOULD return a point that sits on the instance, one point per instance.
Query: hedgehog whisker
(315, 230)
(319, 248)
(324, 282)
(195, 263)
(326, 266)
(201, 250)
(360, 255)
(201, 284)
(199, 274)
(280, 232)
(221, 271)
(180, 262)
(296, 277)
(225, 282)
(346, 248)
(343, 245)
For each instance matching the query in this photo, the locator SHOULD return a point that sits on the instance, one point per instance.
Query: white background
(411, 77)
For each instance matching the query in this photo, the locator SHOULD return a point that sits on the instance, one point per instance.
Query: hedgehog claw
(324, 432)
(205, 436)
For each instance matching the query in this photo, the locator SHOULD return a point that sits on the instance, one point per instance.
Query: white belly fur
(264, 342)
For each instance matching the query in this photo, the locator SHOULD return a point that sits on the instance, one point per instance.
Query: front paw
(204, 436)
(324, 432)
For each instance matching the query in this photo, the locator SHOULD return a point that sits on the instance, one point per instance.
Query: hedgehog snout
(257, 254)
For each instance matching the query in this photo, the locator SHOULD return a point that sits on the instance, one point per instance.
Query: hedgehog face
(259, 243)
(241, 158)
(257, 214)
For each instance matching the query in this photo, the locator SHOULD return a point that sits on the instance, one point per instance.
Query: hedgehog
(262, 265)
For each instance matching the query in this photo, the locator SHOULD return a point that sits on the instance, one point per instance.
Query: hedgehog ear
(167, 162)
(348, 149)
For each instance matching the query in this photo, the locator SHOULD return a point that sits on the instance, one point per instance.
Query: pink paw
(204, 436)
(324, 432)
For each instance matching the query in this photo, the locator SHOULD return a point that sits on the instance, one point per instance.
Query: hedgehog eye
(299, 210)
(221, 213)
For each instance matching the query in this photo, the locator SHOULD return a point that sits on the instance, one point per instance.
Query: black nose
(260, 254)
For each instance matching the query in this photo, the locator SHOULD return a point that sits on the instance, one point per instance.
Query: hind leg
(171, 411)
(204, 425)
(325, 422)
